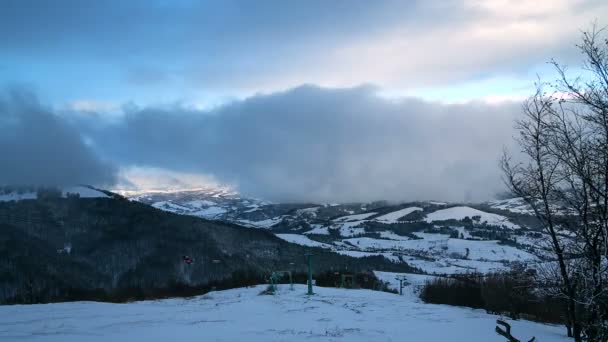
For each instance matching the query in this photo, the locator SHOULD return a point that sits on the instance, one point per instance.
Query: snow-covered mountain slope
(17, 195)
(244, 315)
(394, 216)
(303, 240)
(515, 205)
(478, 216)
(209, 203)
(82, 191)
(518, 205)
(436, 237)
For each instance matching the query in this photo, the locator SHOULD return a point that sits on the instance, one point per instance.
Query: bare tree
(504, 329)
(564, 136)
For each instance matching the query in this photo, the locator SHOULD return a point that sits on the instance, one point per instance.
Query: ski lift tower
(401, 279)
(309, 262)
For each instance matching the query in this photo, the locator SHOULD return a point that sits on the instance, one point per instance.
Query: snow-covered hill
(460, 213)
(244, 315)
(82, 191)
(209, 203)
(437, 237)
(515, 205)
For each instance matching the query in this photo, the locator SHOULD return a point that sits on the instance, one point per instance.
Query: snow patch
(318, 229)
(356, 217)
(210, 212)
(302, 240)
(395, 215)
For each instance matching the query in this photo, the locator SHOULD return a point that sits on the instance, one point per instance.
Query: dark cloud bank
(40, 148)
(304, 144)
(317, 144)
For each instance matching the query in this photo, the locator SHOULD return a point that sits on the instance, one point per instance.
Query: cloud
(482, 39)
(337, 143)
(40, 148)
(322, 144)
(133, 178)
(92, 106)
(242, 47)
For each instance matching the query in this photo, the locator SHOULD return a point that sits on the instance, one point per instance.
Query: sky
(283, 100)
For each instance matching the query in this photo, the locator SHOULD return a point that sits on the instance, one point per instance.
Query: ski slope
(244, 315)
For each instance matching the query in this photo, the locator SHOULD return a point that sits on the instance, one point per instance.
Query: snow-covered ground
(459, 213)
(392, 236)
(351, 228)
(366, 229)
(452, 266)
(262, 223)
(412, 284)
(302, 240)
(318, 229)
(244, 315)
(312, 212)
(392, 217)
(210, 212)
(17, 196)
(519, 206)
(169, 206)
(515, 205)
(82, 191)
(438, 245)
(357, 217)
(433, 253)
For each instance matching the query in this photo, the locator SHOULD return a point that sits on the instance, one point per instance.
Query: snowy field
(459, 213)
(444, 255)
(244, 315)
(395, 215)
(302, 240)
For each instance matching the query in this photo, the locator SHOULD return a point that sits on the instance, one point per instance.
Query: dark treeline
(513, 294)
(356, 280)
(62, 249)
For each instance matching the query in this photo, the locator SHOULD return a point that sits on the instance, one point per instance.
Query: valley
(435, 237)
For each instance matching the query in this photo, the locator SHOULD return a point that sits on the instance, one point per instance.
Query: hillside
(91, 244)
(436, 237)
(104, 248)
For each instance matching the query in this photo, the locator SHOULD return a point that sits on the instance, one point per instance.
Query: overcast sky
(286, 100)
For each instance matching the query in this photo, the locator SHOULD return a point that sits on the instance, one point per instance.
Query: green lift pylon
(309, 260)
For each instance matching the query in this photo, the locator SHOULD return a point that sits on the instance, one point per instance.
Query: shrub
(513, 294)
(362, 280)
(461, 291)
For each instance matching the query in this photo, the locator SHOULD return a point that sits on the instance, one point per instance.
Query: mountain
(8, 193)
(57, 248)
(436, 237)
(87, 243)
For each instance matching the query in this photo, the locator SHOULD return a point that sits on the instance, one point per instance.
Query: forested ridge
(57, 249)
